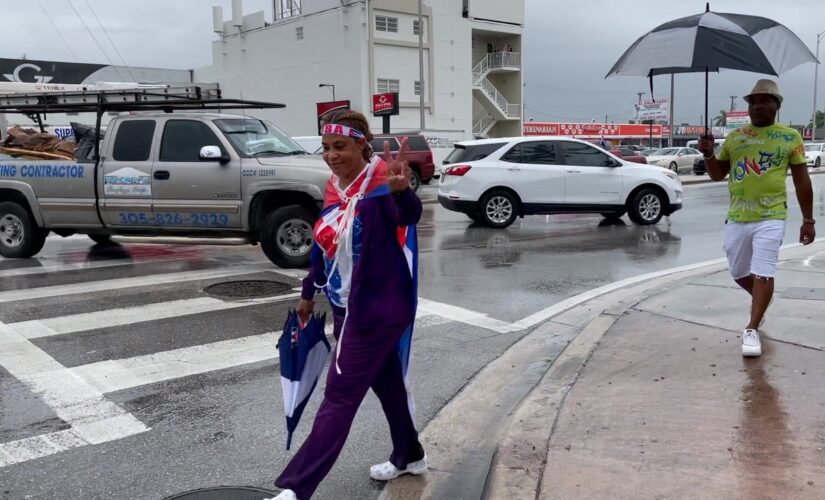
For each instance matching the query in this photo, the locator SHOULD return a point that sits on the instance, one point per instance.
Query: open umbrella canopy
(712, 41)
(304, 352)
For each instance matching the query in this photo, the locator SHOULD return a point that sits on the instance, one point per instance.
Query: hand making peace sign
(399, 172)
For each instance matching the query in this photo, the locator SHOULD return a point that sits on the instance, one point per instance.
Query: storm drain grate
(224, 493)
(247, 289)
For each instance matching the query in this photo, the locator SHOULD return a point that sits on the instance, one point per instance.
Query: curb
(517, 467)
(704, 179)
(464, 439)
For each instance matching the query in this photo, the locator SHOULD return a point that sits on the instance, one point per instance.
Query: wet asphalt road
(174, 389)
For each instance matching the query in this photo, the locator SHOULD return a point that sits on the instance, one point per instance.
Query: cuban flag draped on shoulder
(338, 234)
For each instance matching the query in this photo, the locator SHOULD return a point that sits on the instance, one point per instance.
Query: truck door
(190, 191)
(126, 175)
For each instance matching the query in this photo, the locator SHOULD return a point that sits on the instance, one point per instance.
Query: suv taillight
(457, 170)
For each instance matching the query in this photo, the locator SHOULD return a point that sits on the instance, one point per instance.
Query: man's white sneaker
(387, 471)
(284, 495)
(751, 346)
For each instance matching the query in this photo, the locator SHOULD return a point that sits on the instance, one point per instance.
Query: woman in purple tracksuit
(365, 259)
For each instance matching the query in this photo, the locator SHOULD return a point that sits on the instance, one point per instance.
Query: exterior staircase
(487, 94)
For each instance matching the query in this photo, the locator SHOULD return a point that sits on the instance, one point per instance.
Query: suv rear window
(463, 152)
(378, 144)
(417, 143)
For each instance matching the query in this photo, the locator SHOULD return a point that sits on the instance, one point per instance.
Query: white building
(472, 49)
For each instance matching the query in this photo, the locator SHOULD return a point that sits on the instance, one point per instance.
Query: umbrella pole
(706, 101)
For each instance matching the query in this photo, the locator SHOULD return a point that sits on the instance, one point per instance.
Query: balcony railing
(496, 60)
(504, 60)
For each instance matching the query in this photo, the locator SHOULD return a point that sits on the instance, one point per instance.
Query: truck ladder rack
(148, 98)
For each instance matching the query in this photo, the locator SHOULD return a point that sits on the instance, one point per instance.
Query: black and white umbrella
(712, 41)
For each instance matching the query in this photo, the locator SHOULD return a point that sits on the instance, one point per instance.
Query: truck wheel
(101, 239)
(415, 181)
(646, 207)
(20, 238)
(286, 236)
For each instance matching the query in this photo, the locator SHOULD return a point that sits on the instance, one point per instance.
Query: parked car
(815, 154)
(648, 151)
(494, 181)
(310, 143)
(419, 155)
(699, 163)
(629, 155)
(622, 152)
(674, 159)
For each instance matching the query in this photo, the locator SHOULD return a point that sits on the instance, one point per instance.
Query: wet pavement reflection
(764, 447)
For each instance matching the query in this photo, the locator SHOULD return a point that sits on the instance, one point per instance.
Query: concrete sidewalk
(651, 398)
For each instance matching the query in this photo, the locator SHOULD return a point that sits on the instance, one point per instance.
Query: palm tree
(721, 119)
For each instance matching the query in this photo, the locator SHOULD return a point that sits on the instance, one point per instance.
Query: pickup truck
(159, 174)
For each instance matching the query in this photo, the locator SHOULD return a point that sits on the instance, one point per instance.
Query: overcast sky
(568, 50)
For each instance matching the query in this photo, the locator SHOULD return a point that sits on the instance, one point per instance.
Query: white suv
(494, 181)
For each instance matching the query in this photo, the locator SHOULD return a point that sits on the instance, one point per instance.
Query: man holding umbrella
(755, 159)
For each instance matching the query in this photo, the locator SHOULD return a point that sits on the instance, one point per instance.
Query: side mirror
(213, 153)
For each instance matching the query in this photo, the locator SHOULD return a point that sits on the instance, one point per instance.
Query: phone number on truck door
(173, 219)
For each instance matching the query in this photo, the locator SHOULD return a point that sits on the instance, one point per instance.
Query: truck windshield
(252, 138)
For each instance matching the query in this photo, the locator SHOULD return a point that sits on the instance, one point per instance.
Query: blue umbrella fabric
(304, 352)
(712, 41)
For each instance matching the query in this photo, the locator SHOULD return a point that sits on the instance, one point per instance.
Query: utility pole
(816, 74)
(421, 85)
(733, 102)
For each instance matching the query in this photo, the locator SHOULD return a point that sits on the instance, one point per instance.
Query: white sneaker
(284, 495)
(751, 346)
(387, 471)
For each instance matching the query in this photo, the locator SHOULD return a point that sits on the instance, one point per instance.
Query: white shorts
(753, 247)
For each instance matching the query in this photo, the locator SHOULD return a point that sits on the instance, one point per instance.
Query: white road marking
(121, 283)
(118, 374)
(93, 418)
(463, 315)
(132, 315)
(75, 266)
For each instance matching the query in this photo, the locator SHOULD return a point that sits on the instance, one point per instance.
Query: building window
(386, 85)
(417, 89)
(386, 23)
(299, 33)
(416, 27)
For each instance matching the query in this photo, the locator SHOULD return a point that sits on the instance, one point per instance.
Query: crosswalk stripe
(463, 315)
(133, 315)
(75, 266)
(118, 374)
(121, 283)
(93, 418)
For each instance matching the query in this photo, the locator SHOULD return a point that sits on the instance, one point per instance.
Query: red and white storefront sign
(593, 130)
(384, 104)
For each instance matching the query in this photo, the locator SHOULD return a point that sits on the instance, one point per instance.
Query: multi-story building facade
(472, 78)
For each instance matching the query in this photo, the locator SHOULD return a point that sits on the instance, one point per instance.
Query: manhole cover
(247, 289)
(224, 493)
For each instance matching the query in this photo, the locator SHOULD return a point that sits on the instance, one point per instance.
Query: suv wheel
(498, 209)
(286, 236)
(817, 162)
(646, 207)
(20, 238)
(415, 180)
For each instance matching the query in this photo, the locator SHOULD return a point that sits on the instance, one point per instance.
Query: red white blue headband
(337, 129)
